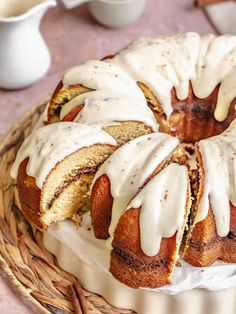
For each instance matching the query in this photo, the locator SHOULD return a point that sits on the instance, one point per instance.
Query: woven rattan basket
(24, 260)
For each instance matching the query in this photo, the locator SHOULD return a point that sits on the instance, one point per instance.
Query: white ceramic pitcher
(24, 56)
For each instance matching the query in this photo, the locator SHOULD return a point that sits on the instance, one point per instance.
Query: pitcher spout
(19, 10)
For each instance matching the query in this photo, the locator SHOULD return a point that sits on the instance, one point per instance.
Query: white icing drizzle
(131, 165)
(219, 163)
(105, 107)
(166, 62)
(163, 204)
(49, 145)
(99, 75)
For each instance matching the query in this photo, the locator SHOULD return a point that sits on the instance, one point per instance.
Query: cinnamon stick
(78, 299)
(201, 3)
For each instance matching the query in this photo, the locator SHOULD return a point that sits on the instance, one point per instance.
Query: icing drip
(42, 118)
(219, 163)
(216, 64)
(226, 96)
(131, 165)
(99, 75)
(163, 207)
(49, 145)
(106, 107)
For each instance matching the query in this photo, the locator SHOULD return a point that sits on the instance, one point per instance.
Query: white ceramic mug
(116, 13)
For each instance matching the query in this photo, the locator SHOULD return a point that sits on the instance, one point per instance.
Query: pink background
(73, 37)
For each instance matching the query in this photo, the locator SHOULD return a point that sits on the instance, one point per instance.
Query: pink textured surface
(73, 37)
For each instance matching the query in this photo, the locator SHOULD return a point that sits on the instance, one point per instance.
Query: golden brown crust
(52, 105)
(29, 195)
(135, 278)
(101, 207)
(155, 106)
(73, 113)
(60, 97)
(128, 262)
(204, 247)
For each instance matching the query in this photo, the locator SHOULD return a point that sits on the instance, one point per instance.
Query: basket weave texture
(28, 265)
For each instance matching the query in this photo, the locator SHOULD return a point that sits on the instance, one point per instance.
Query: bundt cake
(183, 86)
(54, 168)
